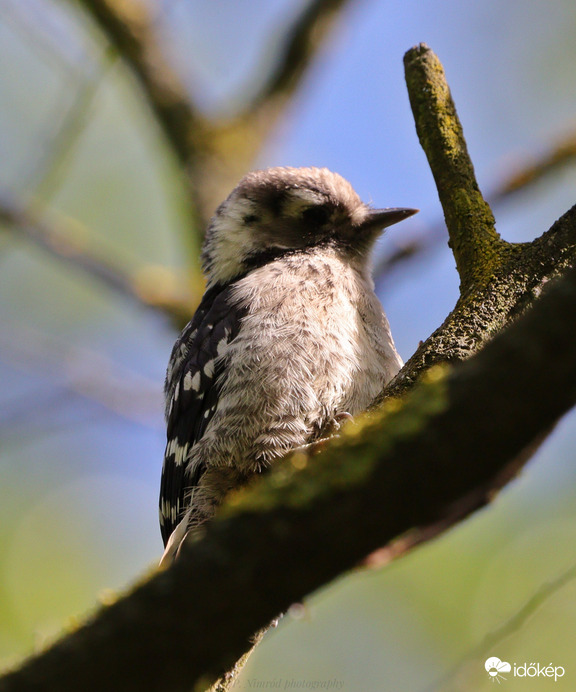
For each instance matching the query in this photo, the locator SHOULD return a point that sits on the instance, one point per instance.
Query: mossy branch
(473, 237)
(305, 523)
(498, 279)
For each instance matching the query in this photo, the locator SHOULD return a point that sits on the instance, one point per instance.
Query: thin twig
(36, 28)
(84, 372)
(556, 157)
(50, 168)
(511, 626)
(300, 47)
(60, 239)
(130, 28)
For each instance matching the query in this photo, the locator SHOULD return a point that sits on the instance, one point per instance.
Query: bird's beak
(379, 219)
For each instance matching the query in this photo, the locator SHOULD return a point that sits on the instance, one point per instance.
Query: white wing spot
(209, 368)
(179, 451)
(222, 344)
(195, 384)
(169, 511)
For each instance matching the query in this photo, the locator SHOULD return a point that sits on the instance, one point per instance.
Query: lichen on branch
(498, 280)
(473, 238)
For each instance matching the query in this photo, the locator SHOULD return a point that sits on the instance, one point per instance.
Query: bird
(288, 340)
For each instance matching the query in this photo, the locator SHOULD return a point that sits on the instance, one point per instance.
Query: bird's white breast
(314, 318)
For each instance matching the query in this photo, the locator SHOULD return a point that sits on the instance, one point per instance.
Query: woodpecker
(288, 338)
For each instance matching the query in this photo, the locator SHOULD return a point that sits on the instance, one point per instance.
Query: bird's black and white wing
(196, 373)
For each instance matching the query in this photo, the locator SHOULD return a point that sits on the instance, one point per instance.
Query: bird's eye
(317, 215)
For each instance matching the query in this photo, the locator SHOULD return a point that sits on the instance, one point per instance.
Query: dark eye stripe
(317, 214)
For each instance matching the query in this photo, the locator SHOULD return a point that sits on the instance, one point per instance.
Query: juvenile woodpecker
(289, 337)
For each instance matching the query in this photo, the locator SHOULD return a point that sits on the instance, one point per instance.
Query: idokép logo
(497, 670)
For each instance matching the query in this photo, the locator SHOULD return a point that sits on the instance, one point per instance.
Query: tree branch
(473, 237)
(556, 157)
(129, 27)
(498, 279)
(300, 47)
(262, 553)
(60, 239)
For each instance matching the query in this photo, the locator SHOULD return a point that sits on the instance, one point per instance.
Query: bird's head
(280, 210)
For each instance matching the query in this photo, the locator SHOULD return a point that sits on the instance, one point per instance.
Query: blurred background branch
(213, 152)
(82, 372)
(497, 638)
(66, 240)
(129, 27)
(54, 162)
(556, 156)
(524, 176)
